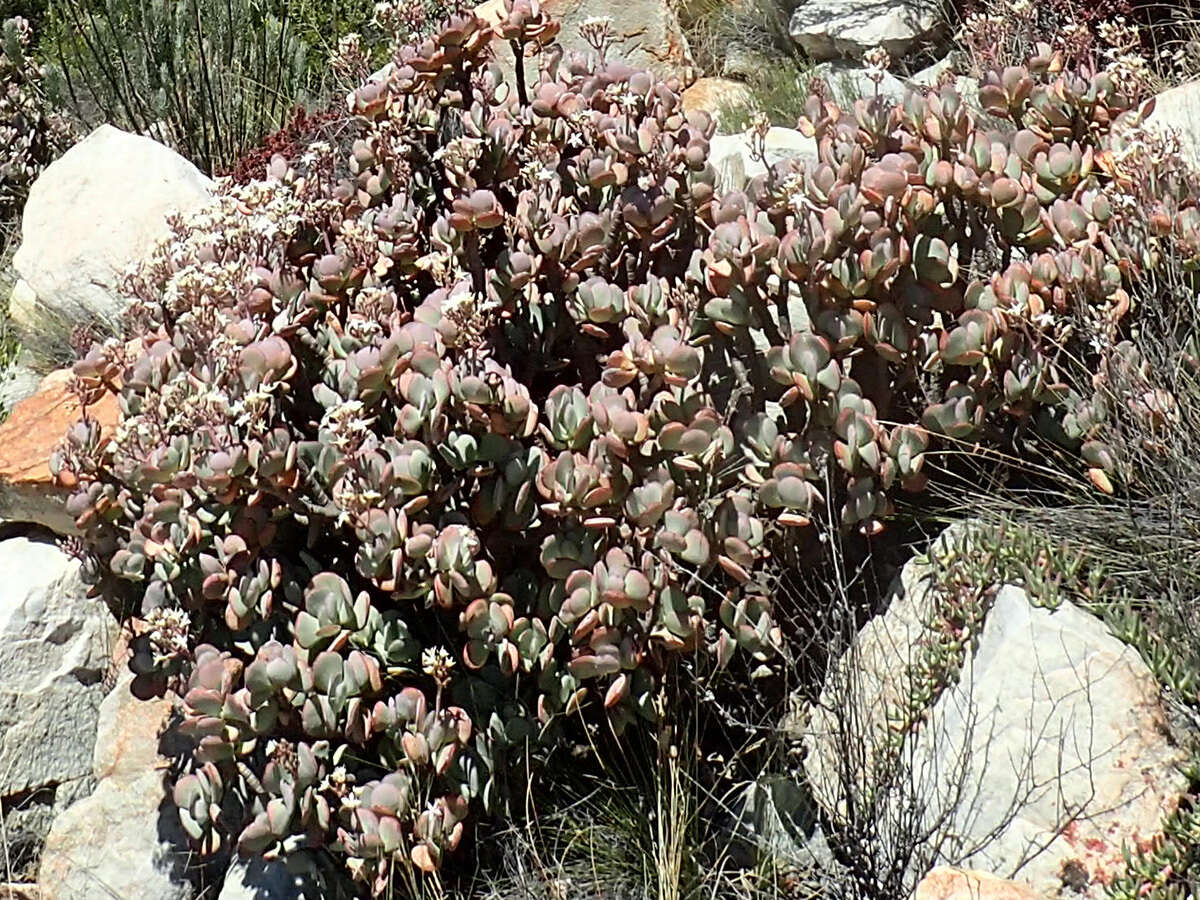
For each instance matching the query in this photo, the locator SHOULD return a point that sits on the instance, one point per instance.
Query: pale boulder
(849, 83)
(18, 382)
(259, 879)
(95, 211)
(1067, 753)
(871, 681)
(933, 76)
(124, 840)
(1177, 111)
(1045, 755)
(732, 156)
(647, 34)
(829, 29)
(55, 650)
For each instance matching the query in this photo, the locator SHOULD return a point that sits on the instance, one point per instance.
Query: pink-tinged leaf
(616, 691)
(423, 857)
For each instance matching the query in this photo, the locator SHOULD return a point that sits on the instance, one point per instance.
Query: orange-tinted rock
(945, 883)
(714, 94)
(124, 840)
(28, 437)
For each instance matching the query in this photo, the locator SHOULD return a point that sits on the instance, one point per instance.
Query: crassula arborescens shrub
(427, 450)
(31, 133)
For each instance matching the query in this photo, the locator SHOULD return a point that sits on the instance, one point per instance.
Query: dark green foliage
(209, 77)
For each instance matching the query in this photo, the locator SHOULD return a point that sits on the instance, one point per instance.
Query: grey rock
(17, 382)
(848, 83)
(931, 76)
(779, 818)
(124, 840)
(1177, 112)
(933, 73)
(110, 845)
(27, 818)
(95, 211)
(1050, 747)
(55, 648)
(742, 62)
(647, 35)
(1061, 728)
(730, 155)
(864, 688)
(829, 29)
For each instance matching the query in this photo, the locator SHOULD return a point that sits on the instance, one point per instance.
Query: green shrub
(775, 92)
(427, 465)
(722, 34)
(209, 77)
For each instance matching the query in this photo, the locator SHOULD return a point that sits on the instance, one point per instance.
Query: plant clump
(209, 78)
(30, 132)
(302, 129)
(448, 446)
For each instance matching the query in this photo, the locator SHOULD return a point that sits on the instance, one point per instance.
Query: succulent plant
(518, 416)
(34, 131)
(331, 613)
(198, 796)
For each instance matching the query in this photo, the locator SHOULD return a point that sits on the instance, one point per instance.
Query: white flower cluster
(597, 32)
(437, 662)
(200, 277)
(340, 783)
(346, 425)
(181, 407)
(208, 254)
(373, 305)
(186, 404)
(460, 153)
(1129, 70)
(168, 633)
(877, 62)
(349, 59)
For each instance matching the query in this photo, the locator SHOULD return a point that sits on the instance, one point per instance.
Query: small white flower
(877, 61)
(168, 633)
(437, 662)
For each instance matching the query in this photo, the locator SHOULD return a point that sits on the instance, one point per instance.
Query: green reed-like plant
(209, 77)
